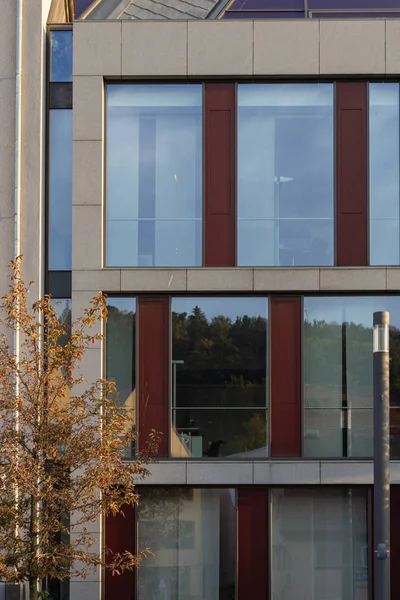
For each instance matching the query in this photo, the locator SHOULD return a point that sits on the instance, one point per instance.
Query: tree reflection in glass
(219, 377)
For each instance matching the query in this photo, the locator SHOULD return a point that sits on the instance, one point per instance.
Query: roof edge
(219, 9)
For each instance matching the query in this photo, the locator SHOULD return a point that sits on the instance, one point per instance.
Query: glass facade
(192, 535)
(154, 175)
(60, 190)
(121, 353)
(219, 377)
(61, 55)
(298, 9)
(338, 375)
(319, 542)
(384, 169)
(285, 174)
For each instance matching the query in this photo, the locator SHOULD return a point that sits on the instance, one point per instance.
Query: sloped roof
(149, 9)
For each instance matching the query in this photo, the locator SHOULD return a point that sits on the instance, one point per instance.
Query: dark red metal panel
(219, 217)
(253, 544)
(395, 542)
(285, 430)
(153, 317)
(120, 536)
(351, 174)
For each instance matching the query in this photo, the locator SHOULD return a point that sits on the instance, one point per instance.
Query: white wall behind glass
(319, 544)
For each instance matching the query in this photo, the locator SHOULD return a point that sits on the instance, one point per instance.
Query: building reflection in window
(120, 353)
(338, 375)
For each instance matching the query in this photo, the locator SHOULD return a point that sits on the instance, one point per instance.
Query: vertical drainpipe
(17, 156)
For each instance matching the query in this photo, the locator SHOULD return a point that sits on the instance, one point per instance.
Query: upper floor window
(285, 174)
(154, 175)
(61, 55)
(384, 172)
(60, 190)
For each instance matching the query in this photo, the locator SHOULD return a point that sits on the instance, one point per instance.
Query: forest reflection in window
(120, 355)
(338, 375)
(219, 377)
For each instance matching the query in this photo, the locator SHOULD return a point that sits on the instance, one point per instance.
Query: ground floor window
(319, 544)
(192, 535)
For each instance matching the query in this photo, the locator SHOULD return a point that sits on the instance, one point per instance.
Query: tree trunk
(33, 589)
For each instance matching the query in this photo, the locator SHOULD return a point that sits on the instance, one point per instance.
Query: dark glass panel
(120, 352)
(60, 190)
(352, 4)
(61, 56)
(277, 5)
(81, 6)
(60, 284)
(192, 535)
(251, 14)
(61, 95)
(215, 433)
(338, 375)
(219, 376)
(355, 15)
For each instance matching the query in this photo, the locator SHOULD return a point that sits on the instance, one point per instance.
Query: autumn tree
(61, 444)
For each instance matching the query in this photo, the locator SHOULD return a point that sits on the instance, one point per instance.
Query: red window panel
(285, 327)
(394, 542)
(120, 536)
(153, 316)
(252, 544)
(351, 174)
(219, 221)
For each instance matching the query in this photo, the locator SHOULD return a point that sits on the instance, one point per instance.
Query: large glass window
(338, 375)
(154, 175)
(192, 535)
(219, 377)
(384, 172)
(319, 544)
(285, 174)
(120, 361)
(60, 190)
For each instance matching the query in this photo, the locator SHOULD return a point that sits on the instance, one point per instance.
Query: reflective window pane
(285, 174)
(61, 56)
(192, 535)
(338, 375)
(60, 190)
(384, 173)
(219, 377)
(323, 534)
(353, 4)
(120, 352)
(154, 175)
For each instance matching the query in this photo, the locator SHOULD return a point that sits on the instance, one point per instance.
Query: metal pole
(381, 457)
